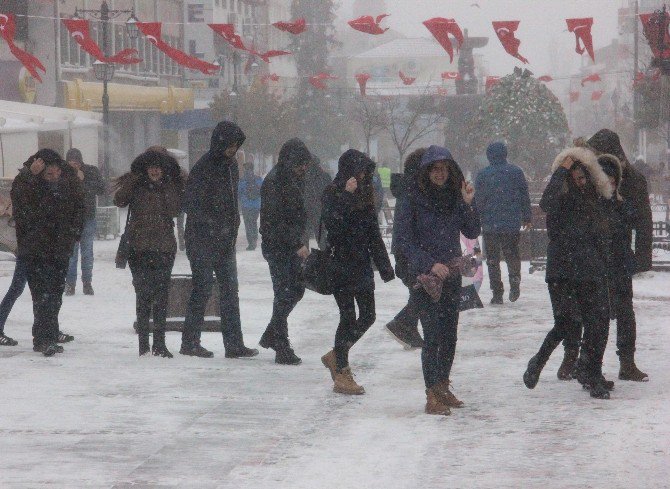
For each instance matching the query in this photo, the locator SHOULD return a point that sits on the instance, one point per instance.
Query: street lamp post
(103, 71)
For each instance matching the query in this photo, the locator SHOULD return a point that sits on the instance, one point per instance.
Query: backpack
(253, 190)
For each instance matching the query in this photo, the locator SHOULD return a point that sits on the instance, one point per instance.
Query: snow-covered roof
(416, 47)
(47, 118)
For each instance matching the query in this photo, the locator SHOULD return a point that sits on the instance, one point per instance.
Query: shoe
(514, 293)
(64, 337)
(345, 383)
(497, 299)
(48, 349)
(286, 356)
(407, 337)
(161, 351)
(532, 374)
(447, 397)
(88, 289)
(143, 340)
(566, 370)
(195, 351)
(7, 341)
(241, 352)
(267, 340)
(330, 362)
(598, 390)
(434, 403)
(629, 371)
(69, 289)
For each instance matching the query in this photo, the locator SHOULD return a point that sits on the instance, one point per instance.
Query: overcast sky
(542, 26)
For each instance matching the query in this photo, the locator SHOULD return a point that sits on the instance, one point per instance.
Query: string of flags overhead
(446, 32)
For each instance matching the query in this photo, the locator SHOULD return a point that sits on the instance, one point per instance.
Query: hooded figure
(212, 221)
(355, 242)
(634, 189)
(285, 242)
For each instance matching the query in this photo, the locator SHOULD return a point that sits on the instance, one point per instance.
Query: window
(193, 49)
(196, 12)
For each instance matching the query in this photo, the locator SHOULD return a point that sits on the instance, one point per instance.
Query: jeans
(497, 245)
(203, 269)
(250, 217)
(288, 287)
(46, 279)
(440, 331)
(151, 279)
(15, 290)
(86, 245)
(350, 329)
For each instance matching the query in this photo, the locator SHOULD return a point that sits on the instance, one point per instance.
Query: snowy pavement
(99, 416)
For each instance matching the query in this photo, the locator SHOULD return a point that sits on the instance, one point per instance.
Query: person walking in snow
(249, 191)
(576, 274)
(212, 221)
(355, 242)
(93, 187)
(316, 181)
(285, 242)
(503, 203)
(152, 191)
(429, 221)
(48, 208)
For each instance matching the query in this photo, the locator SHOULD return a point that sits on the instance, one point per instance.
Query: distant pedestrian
(503, 203)
(152, 191)
(249, 191)
(285, 242)
(48, 207)
(316, 181)
(94, 186)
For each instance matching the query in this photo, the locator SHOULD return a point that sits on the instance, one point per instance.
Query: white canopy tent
(25, 128)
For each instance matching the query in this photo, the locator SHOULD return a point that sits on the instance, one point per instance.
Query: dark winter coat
(633, 189)
(429, 220)
(49, 218)
(576, 226)
(249, 191)
(353, 229)
(501, 193)
(153, 206)
(316, 181)
(93, 186)
(283, 224)
(210, 198)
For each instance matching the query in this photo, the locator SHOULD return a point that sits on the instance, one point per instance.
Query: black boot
(629, 371)
(598, 388)
(514, 289)
(88, 289)
(159, 349)
(286, 356)
(144, 343)
(566, 370)
(268, 339)
(532, 374)
(497, 298)
(195, 350)
(407, 336)
(241, 352)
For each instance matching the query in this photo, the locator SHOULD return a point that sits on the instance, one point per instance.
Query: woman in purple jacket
(429, 223)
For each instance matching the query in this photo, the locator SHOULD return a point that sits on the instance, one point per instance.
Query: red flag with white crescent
(362, 79)
(369, 25)
(582, 30)
(505, 30)
(30, 62)
(440, 28)
(295, 27)
(80, 32)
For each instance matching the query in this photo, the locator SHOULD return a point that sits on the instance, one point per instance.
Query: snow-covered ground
(99, 416)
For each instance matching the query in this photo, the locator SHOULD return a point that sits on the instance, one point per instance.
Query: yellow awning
(82, 95)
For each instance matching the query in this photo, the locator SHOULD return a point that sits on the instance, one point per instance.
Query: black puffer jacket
(353, 230)
(210, 197)
(283, 215)
(577, 227)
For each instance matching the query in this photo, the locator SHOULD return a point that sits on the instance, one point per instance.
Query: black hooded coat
(353, 229)
(283, 216)
(210, 198)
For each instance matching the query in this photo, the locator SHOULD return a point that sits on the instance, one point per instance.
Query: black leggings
(151, 278)
(350, 329)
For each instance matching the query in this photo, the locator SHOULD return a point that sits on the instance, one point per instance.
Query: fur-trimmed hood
(590, 161)
(611, 164)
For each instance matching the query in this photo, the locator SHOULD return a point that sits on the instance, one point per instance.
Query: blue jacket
(428, 233)
(246, 200)
(501, 193)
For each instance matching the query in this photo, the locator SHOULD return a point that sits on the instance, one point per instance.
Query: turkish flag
(317, 81)
(368, 24)
(227, 31)
(407, 80)
(596, 95)
(582, 30)
(296, 27)
(152, 31)
(652, 31)
(270, 54)
(546, 78)
(491, 81)
(440, 28)
(591, 78)
(574, 97)
(451, 75)
(505, 31)
(362, 79)
(79, 30)
(269, 77)
(30, 62)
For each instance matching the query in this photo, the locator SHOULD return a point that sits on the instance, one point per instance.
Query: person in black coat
(213, 219)
(285, 242)
(577, 257)
(355, 243)
(633, 189)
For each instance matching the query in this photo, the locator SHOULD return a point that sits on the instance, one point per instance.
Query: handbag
(123, 251)
(469, 299)
(318, 270)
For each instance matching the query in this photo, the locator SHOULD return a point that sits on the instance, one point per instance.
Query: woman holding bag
(354, 241)
(429, 222)
(153, 191)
